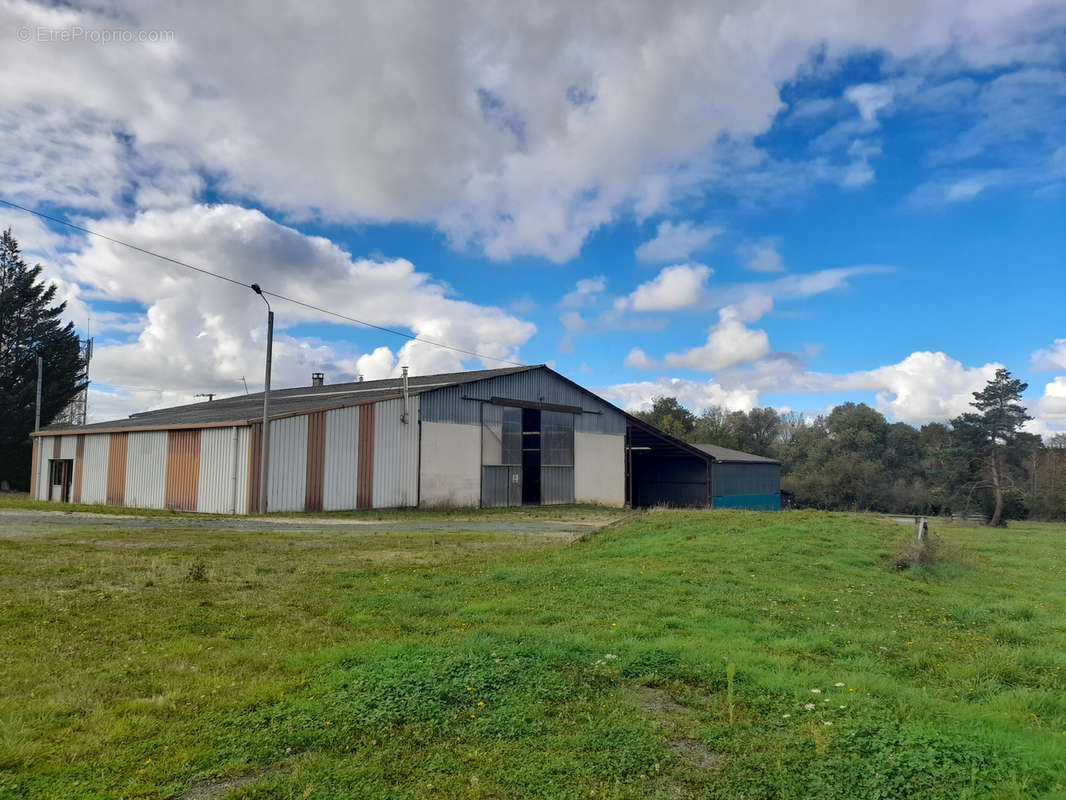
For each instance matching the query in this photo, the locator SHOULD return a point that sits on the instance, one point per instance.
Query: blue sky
(739, 209)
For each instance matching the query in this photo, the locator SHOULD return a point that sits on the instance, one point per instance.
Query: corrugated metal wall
(183, 469)
(395, 454)
(68, 447)
(116, 468)
(34, 467)
(316, 460)
(671, 481)
(556, 485)
(341, 459)
(94, 468)
(45, 448)
(79, 463)
(223, 478)
(288, 464)
(501, 486)
(448, 404)
(752, 478)
(146, 469)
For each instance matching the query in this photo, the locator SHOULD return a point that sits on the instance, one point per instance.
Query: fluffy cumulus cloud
(730, 341)
(1051, 408)
(923, 387)
(194, 334)
(677, 242)
(1051, 358)
(638, 396)
(513, 129)
(674, 288)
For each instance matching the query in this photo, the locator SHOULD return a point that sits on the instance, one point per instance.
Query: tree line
(853, 458)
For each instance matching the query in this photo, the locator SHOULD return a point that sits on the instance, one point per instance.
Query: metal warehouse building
(488, 438)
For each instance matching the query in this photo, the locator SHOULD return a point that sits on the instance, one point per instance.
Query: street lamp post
(264, 454)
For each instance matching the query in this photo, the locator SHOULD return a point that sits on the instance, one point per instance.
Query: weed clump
(197, 573)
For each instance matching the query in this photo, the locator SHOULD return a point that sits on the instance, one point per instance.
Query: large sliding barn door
(501, 456)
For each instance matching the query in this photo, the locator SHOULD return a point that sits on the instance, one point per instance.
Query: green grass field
(677, 655)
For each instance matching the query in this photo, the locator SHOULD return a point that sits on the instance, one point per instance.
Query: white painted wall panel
(288, 464)
(450, 472)
(223, 480)
(342, 459)
(44, 455)
(94, 468)
(146, 469)
(599, 468)
(395, 455)
(68, 447)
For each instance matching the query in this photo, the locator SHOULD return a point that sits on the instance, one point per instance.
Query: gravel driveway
(22, 524)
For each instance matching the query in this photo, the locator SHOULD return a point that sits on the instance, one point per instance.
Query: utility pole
(264, 454)
(40, 374)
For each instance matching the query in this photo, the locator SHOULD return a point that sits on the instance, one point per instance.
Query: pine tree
(993, 436)
(30, 326)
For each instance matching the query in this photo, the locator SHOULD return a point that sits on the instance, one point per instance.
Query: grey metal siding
(45, 448)
(738, 478)
(288, 464)
(94, 468)
(449, 404)
(670, 481)
(342, 459)
(395, 455)
(556, 485)
(146, 469)
(68, 446)
(223, 479)
(501, 486)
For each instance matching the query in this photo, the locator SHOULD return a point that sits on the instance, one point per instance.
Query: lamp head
(256, 289)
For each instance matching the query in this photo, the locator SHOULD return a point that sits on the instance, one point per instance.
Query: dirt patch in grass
(677, 721)
(216, 789)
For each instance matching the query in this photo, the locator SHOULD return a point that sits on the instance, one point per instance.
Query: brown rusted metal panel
(364, 488)
(56, 445)
(34, 465)
(183, 470)
(255, 452)
(116, 469)
(79, 461)
(316, 461)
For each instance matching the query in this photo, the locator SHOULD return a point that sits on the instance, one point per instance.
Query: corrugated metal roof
(300, 399)
(725, 454)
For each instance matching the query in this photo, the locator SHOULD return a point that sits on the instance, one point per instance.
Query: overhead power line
(228, 279)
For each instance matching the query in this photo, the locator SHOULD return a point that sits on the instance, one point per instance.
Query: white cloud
(923, 387)
(870, 98)
(1051, 358)
(674, 288)
(638, 396)
(513, 129)
(197, 334)
(1051, 408)
(639, 359)
(729, 342)
(677, 242)
(762, 255)
(584, 292)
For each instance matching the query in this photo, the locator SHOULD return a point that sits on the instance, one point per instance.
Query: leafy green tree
(669, 416)
(30, 326)
(993, 438)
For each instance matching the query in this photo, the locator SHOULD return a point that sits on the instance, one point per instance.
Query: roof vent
(360, 379)
(318, 378)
